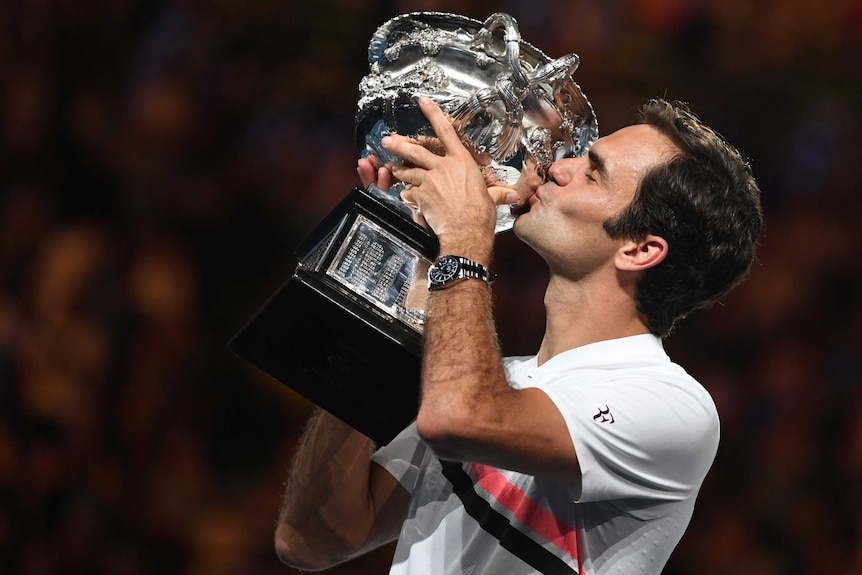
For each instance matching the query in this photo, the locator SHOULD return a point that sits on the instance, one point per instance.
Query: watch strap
(476, 270)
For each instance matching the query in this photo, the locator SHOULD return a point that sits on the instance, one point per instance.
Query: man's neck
(584, 312)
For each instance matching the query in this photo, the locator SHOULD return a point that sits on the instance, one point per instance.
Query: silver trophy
(505, 97)
(346, 329)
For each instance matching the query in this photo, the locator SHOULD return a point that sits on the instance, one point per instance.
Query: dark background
(159, 161)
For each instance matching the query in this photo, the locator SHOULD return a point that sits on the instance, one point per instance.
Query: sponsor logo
(604, 415)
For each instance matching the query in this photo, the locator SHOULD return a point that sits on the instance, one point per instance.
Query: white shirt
(645, 433)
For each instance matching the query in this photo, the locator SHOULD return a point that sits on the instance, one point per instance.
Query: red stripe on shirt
(526, 510)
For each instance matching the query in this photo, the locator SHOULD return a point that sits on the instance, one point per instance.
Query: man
(586, 458)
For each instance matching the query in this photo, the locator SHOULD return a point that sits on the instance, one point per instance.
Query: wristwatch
(449, 270)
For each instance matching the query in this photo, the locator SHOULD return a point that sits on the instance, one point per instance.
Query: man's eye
(589, 176)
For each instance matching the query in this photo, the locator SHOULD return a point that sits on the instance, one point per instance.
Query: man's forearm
(326, 500)
(462, 370)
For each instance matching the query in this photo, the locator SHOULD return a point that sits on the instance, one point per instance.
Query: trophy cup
(345, 330)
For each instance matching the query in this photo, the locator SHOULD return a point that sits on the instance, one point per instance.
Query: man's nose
(554, 170)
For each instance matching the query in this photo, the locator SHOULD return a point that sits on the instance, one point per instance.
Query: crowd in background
(159, 161)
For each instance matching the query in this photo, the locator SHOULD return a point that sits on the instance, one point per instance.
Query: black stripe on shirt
(499, 526)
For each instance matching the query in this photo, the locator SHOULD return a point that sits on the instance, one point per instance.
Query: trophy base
(333, 359)
(331, 334)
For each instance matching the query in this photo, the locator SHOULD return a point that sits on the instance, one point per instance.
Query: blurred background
(159, 161)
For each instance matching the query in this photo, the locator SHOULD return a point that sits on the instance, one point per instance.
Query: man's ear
(642, 254)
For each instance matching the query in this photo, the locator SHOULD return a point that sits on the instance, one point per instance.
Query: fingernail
(511, 198)
(386, 140)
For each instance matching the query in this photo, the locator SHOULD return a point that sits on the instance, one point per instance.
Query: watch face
(443, 270)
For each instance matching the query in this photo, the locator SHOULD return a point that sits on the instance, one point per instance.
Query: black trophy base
(334, 359)
(330, 344)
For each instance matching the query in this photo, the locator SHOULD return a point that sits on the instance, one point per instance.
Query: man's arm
(468, 410)
(337, 503)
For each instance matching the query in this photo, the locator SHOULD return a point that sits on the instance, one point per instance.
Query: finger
(410, 150)
(432, 143)
(442, 125)
(366, 172)
(384, 179)
(408, 174)
(503, 195)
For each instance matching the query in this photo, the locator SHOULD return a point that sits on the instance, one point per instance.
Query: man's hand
(371, 171)
(448, 188)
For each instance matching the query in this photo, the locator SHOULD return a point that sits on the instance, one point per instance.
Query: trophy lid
(505, 96)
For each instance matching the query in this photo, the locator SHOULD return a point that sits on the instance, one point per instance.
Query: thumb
(503, 195)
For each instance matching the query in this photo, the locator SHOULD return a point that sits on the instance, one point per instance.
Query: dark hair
(705, 203)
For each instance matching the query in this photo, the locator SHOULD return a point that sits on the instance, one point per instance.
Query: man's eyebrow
(598, 162)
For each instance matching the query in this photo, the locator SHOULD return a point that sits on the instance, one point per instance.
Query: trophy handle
(510, 90)
(519, 78)
(522, 80)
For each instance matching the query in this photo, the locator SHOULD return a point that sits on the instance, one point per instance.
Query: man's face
(564, 221)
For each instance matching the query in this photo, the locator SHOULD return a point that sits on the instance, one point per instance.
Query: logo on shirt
(604, 415)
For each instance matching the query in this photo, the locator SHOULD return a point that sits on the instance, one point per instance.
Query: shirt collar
(624, 351)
